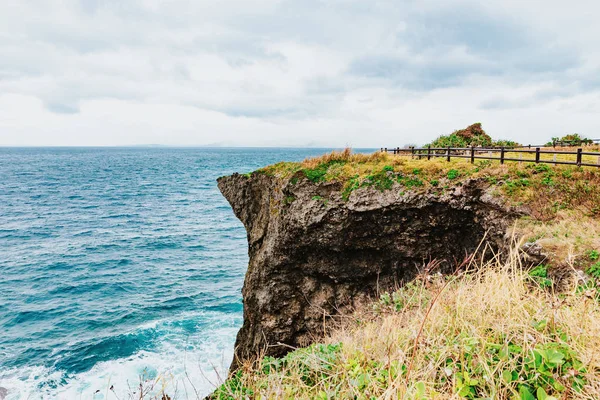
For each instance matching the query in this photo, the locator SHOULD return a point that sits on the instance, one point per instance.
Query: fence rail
(581, 158)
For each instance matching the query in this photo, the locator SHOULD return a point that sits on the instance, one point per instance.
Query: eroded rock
(313, 255)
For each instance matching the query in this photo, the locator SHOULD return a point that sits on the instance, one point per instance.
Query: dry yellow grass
(345, 155)
(478, 335)
(544, 188)
(567, 239)
(492, 333)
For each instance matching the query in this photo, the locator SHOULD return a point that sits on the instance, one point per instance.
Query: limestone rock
(314, 255)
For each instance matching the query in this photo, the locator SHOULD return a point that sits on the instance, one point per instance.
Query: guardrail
(581, 159)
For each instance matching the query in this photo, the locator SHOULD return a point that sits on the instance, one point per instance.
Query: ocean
(120, 267)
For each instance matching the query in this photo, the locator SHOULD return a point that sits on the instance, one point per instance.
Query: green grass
(485, 335)
(543, 188)
(540, 276)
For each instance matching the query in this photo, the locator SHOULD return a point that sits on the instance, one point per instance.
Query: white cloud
(268, 72)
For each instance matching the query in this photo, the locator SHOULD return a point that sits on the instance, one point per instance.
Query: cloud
(291, 72)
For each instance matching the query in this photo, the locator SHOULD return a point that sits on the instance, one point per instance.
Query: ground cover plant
(562, 202)
(547, 189)
(498, 332)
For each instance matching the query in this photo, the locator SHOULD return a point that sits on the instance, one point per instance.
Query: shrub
(473, 135)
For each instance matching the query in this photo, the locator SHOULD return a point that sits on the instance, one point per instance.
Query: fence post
(537, 154)
(472, 154)
(502, 155)
(398, 150)
(554, 143)
(429, 152)
(579, 157)
(412, 151)
(448, 153)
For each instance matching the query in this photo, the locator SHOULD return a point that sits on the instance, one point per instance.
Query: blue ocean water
(120, 266)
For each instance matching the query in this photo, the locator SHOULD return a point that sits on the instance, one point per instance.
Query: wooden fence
(580, 158)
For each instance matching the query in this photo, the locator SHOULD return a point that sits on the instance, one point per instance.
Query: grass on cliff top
(495, 333)
(546, 189)
(563, 201)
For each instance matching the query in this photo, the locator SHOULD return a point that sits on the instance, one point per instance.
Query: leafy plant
(539, 168)
(453, 174)
(594, 270)
(540, 276)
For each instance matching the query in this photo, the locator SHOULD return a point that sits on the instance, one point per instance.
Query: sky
(364, 73)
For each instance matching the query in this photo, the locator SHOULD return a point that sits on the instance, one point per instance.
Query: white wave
(183, 367)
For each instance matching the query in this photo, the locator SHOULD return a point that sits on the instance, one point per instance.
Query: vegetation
(491, 331)
(546, 189)
(563, 201)
(495, 333)
(473, 135)
(571, 139)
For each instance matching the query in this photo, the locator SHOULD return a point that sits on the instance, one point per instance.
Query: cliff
(317, 251)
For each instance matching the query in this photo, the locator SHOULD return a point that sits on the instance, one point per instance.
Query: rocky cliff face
(314, 254)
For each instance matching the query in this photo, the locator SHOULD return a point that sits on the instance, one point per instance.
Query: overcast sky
(365, 73)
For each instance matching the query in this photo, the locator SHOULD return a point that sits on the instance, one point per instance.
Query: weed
(453, 174)
(594, 270)
(539, 168)
(410, 182)
(490, 335)
(318, 173)
(483, 164)
(540, 276)
(351, 185)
